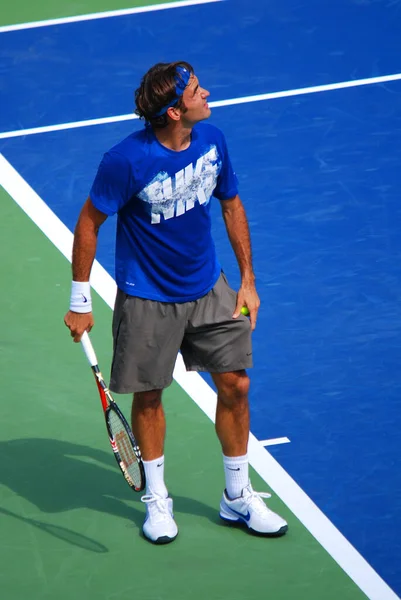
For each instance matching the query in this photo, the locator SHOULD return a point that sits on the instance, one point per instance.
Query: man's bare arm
(83, 255)
(238, 233)
(85, 241)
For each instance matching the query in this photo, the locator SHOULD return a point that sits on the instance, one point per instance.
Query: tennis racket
(123, 443)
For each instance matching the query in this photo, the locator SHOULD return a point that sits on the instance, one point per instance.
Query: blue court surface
(320, 178)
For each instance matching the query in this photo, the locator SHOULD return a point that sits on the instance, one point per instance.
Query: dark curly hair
(156, 90)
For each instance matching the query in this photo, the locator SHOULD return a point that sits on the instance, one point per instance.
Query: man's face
(194, 98)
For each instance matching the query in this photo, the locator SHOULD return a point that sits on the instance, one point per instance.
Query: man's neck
(174, 137)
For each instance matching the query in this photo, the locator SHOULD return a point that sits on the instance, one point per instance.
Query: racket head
(125, 447)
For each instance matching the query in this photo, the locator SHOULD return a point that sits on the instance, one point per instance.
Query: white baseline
(103, 15)
(217, 104)
(261, 460)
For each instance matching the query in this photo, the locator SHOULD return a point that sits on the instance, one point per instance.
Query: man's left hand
(248, 296)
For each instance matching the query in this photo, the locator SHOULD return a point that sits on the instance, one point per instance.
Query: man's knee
(232, 387)
(149, 400)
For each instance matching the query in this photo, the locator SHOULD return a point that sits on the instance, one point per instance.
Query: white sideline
(261, 460)
(216, 104)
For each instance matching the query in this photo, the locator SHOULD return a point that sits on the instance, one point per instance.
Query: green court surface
(70, 526)
(22, 11)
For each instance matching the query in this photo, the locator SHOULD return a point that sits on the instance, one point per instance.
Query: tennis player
(172, 293)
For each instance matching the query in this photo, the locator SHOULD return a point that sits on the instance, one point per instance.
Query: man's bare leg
(232, 414)
(149, 423)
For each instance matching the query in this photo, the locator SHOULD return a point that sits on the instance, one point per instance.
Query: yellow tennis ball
(245, 311)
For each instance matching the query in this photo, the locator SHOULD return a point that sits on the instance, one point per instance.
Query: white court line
(103, 15)
(274, 441)
(65, 126)
(202, 394)
(217, 104)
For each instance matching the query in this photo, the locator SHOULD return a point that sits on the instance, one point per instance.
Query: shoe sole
(161, 540)
(240, 523)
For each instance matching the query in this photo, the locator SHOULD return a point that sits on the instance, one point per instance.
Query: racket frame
(108, 405)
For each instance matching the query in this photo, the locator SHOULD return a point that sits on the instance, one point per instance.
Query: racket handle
(88, 349)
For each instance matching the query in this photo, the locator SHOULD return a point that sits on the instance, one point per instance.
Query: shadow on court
(58, 476)
(72, 537)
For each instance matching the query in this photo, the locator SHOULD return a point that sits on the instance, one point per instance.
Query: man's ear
(174, 113)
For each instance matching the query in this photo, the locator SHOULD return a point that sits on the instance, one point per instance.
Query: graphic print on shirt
(172, 196)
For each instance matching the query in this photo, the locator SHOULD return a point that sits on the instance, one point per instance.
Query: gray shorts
(148, 335)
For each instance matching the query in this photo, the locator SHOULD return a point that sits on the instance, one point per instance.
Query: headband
(181, 79)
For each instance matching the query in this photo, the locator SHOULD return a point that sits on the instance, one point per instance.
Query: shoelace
(158, 506)
(255, 498)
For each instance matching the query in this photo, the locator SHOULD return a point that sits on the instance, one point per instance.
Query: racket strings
(124, 448)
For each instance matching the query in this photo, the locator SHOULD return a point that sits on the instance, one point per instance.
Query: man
(172, 294)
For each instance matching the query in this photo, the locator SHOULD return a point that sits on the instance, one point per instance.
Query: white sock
(236, 470)
(154, 473)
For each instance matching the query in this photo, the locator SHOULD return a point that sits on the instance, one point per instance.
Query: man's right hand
(78, 323)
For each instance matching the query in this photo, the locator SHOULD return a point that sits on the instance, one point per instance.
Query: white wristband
(81, 301)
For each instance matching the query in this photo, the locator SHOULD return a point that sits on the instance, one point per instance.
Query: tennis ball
(245, 311)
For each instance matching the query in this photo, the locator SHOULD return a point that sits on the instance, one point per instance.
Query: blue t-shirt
(164, 246)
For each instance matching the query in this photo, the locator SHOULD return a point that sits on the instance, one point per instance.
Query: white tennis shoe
(250, 509)
(159, 526)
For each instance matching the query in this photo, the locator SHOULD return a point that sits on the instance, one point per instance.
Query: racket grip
(88, 349)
